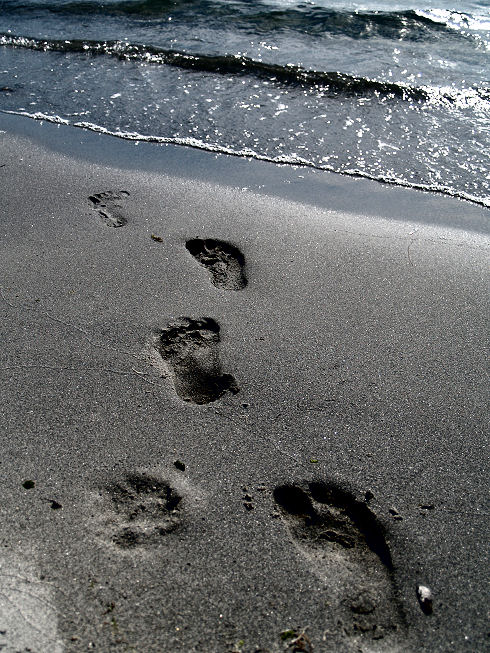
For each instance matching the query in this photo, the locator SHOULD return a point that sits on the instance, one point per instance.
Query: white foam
(40, 116)
(456, 19)
(461, 22)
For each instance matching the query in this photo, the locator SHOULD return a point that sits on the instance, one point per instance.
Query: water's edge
(248, 153)
(286, 180)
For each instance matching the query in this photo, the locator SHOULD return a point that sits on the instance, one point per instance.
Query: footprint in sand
(107, 206)
(142, 509)
(225, 262)
(191, 350)
(345, 544)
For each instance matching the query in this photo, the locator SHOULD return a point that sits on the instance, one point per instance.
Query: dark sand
(266, 440)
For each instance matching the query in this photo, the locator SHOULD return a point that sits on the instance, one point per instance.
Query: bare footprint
(108, 207)
(225, 262)
(346, 546)
(144, 509)
(191, 350)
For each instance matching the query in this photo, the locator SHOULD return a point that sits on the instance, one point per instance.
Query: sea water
(395, 91)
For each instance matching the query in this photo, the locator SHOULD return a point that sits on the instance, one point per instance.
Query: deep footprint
(145, 508)
(225, 262)
(345, 543)
(191, 349)
(108, 207)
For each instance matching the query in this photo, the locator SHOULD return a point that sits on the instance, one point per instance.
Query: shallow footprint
(224, 261)
(191, 349)
(346, 546)
(145, 509)
(108, 207)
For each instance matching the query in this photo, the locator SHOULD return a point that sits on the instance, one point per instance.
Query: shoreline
(320, 188)
(201, 146)
(161, 521)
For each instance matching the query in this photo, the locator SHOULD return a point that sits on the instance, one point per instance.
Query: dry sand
(243, 406)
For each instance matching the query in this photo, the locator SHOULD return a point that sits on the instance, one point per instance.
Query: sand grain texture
(305, 509)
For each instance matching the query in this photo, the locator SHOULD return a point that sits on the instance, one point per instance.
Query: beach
(243, 404)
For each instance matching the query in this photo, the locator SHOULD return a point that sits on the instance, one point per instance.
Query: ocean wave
(255, 16)
(332, 82)
(459, 22)
(250, 153)
(456, 19)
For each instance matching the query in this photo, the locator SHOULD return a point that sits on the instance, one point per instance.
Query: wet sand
(243, 405)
